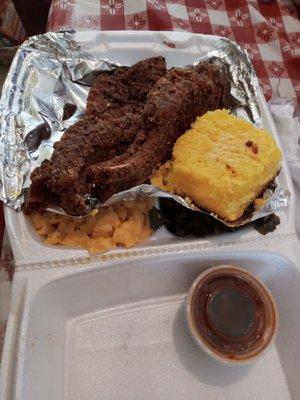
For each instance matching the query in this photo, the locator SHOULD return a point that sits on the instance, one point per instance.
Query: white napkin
(284, 111)
(286, 114)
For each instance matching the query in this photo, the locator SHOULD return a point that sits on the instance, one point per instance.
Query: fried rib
(113, 118)
(172, 105)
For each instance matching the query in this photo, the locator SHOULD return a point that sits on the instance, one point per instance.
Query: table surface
(269, 32)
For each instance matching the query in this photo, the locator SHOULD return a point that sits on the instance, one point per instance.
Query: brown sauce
(230, 315)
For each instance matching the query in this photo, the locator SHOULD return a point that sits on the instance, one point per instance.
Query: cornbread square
(222, 164)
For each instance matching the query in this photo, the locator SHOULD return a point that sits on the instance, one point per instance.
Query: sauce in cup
(231, 314)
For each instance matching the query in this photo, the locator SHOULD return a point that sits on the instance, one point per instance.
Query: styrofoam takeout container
(112, 327)
(116, 331)
(127, 48)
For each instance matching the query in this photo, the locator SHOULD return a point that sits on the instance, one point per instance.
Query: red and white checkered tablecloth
(269, 32)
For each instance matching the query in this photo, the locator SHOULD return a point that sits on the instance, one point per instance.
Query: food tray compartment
(118, 332)
(127, 48)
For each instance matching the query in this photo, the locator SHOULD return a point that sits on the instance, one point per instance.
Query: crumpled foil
(46, 91)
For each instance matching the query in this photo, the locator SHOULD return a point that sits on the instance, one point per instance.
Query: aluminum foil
(46, 91)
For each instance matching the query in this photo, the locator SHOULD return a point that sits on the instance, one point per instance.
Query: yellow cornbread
(222, 164)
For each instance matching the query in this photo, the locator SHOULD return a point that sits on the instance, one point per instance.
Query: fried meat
(133, 118)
